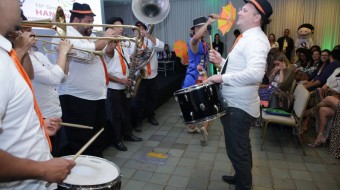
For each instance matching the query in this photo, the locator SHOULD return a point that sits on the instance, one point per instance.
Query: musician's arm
(27, 65)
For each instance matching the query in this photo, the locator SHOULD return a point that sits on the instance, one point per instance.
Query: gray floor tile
(159, 178)
(283, 183)
(141, 175)
(192, 166)
(280, 173)
(301, 175)
(151, 186)
(178, 181)
(305, 185)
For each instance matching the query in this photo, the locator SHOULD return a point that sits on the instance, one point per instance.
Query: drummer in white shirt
(25, 160)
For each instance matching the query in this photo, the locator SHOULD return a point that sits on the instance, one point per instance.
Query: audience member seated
(327, 108)
(317, 96)
(296, 57)
(281, 76)
(309, 72)
(321, 79)
(301, 66)
(315, 47)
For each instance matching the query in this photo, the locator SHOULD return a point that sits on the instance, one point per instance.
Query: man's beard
(87, 31)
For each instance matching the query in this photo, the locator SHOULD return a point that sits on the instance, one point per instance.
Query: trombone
(91, 56)
(60, 28)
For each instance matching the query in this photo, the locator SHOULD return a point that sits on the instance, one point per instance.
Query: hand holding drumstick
(81, 151)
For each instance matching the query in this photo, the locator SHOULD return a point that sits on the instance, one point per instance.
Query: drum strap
(224, 67)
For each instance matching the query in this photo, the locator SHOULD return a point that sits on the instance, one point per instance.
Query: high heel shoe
(321, 139)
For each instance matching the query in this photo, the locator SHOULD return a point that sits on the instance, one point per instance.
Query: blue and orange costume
(192, 75)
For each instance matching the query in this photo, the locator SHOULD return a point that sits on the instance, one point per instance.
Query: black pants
(236, 125)
(118, 113)
(144, 104)
(85, 112)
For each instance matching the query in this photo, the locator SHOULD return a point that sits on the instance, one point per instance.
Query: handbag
(281, 100)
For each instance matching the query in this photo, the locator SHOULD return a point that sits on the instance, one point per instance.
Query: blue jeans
(236, 124)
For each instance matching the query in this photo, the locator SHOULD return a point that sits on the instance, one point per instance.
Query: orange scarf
(105, 70)
(28, 81)
(237, 39)
(122, 64)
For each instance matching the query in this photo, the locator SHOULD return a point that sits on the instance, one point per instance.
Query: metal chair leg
(264, 136)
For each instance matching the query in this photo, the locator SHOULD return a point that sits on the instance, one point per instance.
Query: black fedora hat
(83, 9)
(114, 19)
(199, 21)
(139, 23)
(263, 7)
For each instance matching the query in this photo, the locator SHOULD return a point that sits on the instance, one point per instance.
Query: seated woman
(281, 76)
(327, 108)
(321, 78)
(304, 66)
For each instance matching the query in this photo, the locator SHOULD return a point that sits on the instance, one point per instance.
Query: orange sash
(122, 64)
(28, 81)
(105, 70)
(237, 39)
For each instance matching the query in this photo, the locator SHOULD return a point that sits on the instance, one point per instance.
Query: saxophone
(137, 71)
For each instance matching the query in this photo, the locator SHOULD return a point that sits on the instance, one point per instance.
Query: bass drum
(201, 102)
(92, 173)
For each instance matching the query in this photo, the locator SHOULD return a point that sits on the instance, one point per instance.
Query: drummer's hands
(214, 79)
(215, 57)
(56, 169)
(52, 125)
(212, 18)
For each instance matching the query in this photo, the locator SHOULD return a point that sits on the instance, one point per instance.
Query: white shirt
(114, 68)
(333, 82)
(46, 78)
(159, 46)
(245, 70)
(21, 134)
(85, 79)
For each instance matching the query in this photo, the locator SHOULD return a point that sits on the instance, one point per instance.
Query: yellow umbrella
(180, 48)
(227, 18)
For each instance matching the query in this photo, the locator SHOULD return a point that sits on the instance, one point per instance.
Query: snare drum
(92, 173)
(202, 102)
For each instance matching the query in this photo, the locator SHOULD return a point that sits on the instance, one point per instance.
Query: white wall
(179, 21)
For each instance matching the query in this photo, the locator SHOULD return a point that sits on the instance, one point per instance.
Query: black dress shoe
(153, 121)
(132, 138)
(229, 179)
(120, 146)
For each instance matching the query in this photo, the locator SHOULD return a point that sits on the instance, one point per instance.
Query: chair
(301, 95)
(292, 88)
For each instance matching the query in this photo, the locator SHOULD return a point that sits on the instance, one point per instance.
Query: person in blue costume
(198, 53)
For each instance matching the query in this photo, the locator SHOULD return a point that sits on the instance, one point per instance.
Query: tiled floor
(191, 166)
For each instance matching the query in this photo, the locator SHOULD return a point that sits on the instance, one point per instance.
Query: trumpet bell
(150, 11)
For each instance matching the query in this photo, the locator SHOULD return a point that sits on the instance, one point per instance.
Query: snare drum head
(90, 170)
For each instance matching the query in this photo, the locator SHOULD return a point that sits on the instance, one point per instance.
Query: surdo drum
(92, 173)
(201, 102)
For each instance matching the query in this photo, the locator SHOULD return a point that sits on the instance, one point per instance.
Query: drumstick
(83, 149)
(209, 31)
(75, 125)
(87, 144)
